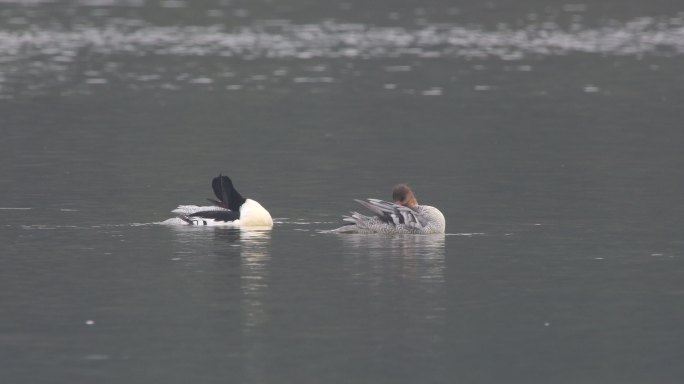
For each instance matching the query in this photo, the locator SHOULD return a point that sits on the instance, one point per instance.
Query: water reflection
(408, 266)
(403, 281)
(255, 257)
(414, 257)
(249, 247)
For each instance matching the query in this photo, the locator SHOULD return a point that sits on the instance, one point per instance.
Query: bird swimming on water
(404, 215)
(230, 210)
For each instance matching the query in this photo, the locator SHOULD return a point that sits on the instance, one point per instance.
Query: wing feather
(391, 213)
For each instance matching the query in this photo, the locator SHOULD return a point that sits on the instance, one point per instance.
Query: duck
(401, 216)
(230, 210)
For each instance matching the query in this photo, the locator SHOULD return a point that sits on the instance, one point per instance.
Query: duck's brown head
(402, 195)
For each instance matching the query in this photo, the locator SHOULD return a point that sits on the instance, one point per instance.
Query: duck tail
(228, 197)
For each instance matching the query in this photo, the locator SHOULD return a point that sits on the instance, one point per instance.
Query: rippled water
(282, 39)
(50, 46)
(547, 132)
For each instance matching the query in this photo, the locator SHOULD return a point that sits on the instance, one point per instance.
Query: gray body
(392, 218)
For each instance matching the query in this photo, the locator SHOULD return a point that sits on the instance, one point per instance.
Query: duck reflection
(402, 278)
(243, 256)
(235, 286)
(413, 257)
(255, 257)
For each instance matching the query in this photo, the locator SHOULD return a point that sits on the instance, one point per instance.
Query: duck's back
(395, 219)
(432, 219)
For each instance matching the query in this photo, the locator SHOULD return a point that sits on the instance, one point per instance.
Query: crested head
(402, 195)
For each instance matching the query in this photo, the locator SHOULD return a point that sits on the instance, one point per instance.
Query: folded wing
(393, 214)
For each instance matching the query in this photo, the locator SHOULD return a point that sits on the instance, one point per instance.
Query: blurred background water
(547, 132)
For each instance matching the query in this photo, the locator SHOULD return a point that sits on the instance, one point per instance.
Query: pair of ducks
(404, 215)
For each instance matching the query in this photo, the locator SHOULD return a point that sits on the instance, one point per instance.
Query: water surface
(548, 133)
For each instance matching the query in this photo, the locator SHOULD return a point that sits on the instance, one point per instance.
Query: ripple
(338, 40)
(40, 59)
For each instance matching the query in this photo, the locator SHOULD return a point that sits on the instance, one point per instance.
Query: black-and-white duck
(230, 210)
(404, 215)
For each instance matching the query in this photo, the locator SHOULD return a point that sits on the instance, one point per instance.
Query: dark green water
(548, 133)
